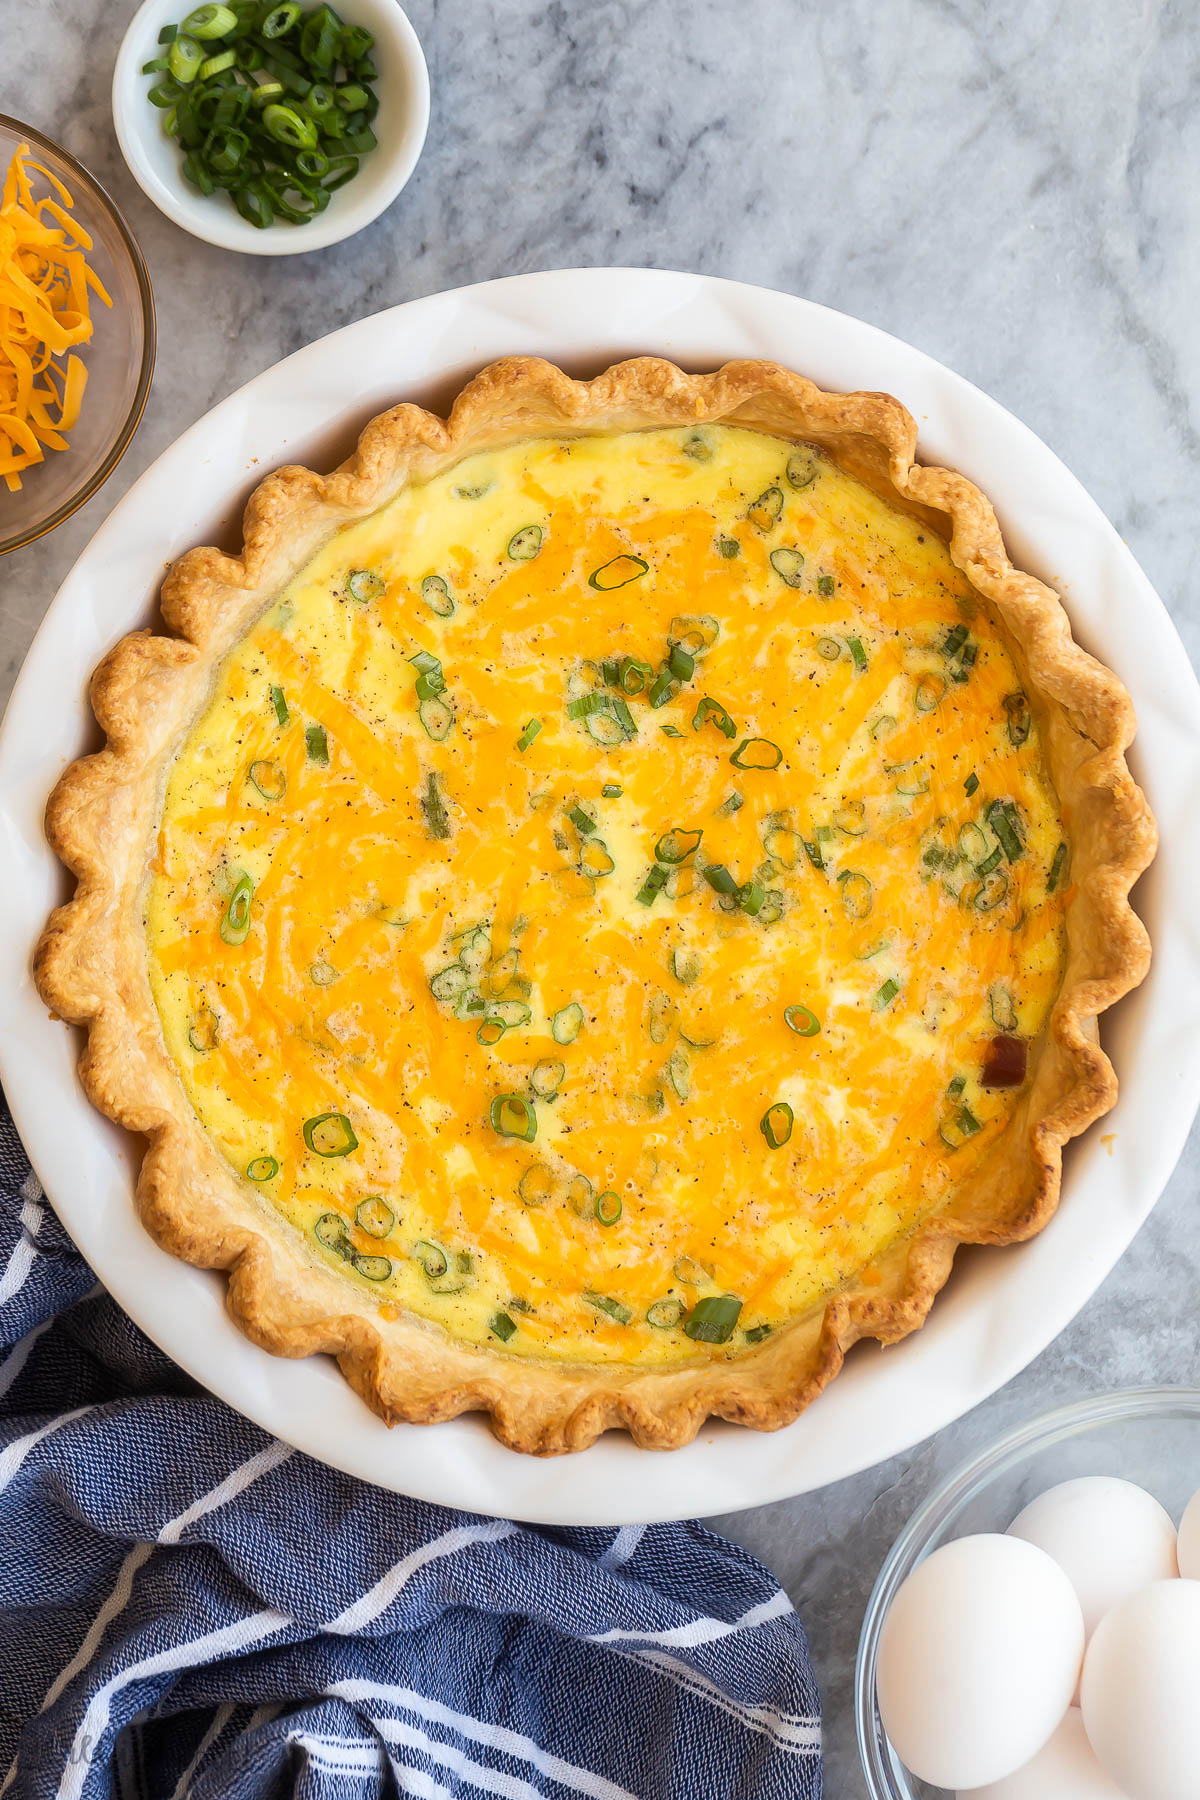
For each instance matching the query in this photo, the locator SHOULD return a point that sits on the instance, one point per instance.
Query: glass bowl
(119, 357)
(1147, 1435)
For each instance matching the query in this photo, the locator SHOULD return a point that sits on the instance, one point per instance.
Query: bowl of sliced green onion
(271, 126)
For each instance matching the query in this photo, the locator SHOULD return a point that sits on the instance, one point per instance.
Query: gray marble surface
(1011, 189)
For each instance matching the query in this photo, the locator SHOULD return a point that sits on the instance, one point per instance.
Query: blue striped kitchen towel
(189, 1608)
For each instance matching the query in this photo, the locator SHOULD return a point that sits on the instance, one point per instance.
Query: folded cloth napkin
(188, 1607)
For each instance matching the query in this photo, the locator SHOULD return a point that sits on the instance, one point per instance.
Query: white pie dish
(1001, 1308)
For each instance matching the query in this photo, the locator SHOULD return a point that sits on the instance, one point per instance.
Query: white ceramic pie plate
(1002, 1307)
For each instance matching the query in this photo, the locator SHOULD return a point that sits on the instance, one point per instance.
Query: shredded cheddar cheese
(44, 314)
(633, 1036)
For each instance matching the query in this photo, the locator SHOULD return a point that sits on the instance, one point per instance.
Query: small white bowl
(154, 158)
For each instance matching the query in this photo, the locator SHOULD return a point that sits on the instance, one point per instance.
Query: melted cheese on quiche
(588, 903)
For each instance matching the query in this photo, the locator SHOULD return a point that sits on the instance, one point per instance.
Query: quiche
(599, 898)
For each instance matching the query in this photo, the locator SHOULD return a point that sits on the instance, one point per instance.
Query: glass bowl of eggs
(1034, 1633)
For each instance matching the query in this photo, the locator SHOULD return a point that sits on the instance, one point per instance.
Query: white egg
(1110, 1536)
(1064, 1769)
(1189, 1540)
(978, 1659)
(1141, 1692)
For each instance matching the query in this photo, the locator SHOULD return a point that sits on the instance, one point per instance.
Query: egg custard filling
(607, 899)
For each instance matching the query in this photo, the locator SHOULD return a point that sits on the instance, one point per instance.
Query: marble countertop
(1015, 195)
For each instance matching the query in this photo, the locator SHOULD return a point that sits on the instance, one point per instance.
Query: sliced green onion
(330, 1230)
(676, 845)
(432, 1258)
(989, 862)
(546, 1077)
(322, 973)
(290, 127)
(513, 1116)
(670, 731)
(802, 468)
(615, 574)
(183, 59)
(662, 689)
(262, 1168)
(510, 1012)
(433, 806)
(582, 821)
(330, 1134)
(436, 718)
(757, 753)
(579, 1196)
(1056, 868)
(435, 592)
(536, 1185)
(776, 1124)
(608, 1207)
(490, 1033)
(694, 632)
(203, 1030)
(280, 705)
(524, 545)
(316, 744)
(825, 587)
(269, 779)
(502, 1326)
(857, 894)
(928, 693)
(829, 648)
(653, 885)
(1020, 720)
(449, 982)
(685, 967)
(971, 784)
(750, 897)
(788, 565)
(681, 664)
(732, 803)
(813, 852)
(679, 1075)
(373, 1268)
(719, 878)
(615, 1309)
(802, 1020)
(216, 65)
(1002, 817)
(280, 20)
(584, 705)
(711, 1320)
(374, 1216)
(209, 22)
(235, 921)
(696, 445)
(623, 716)
(595, 857)
(882, 725)
(764, 511)
(691, 1272)
(567, 1023)
(857, 653)
(664, 1315)
(886, 994)
(611, 791)
(754, 1334)
(527, 736)
(711, 710)
(728, 548)
(1000, 1005)
(993, 891)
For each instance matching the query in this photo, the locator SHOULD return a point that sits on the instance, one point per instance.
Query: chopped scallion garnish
(676, 845)
(330, 1134)
(615, 1309)
(530, 732)
(788, 564)
(235, 921)
(513, 1116)
(280, 705)
(711, 1320)
(262, 1168)
(711, 710)
(524, 545)
(317, 745)
(886, 994)
(615, 574)
(776, 1124)
(567, 1023)
(802, 1020)
(757, 753)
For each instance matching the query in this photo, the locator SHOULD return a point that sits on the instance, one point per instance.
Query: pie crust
(90, 964)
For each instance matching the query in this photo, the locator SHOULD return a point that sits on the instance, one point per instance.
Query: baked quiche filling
(609, 894)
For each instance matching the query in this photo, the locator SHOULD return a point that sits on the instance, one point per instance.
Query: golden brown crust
(90, 963)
